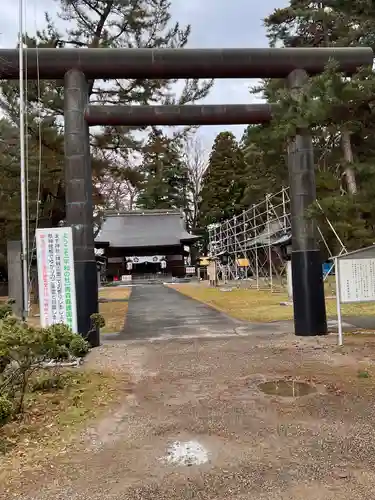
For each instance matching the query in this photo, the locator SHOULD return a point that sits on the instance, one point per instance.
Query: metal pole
(269, 241)
(235, 246)
(25, 281)
(332, 228)
(307, 273)
(338, 304)
(245, 242)
(256, 248)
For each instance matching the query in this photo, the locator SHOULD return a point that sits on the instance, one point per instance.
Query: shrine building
(144, 244)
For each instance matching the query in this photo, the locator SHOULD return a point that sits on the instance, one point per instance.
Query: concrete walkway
(365, 322)
(159, 312)
(156, 311)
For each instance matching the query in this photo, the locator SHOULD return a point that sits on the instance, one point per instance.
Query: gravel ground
(317, 447)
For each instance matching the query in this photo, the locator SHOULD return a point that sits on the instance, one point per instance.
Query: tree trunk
(348, 156)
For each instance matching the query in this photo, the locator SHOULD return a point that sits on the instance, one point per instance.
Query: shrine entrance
(78, 66)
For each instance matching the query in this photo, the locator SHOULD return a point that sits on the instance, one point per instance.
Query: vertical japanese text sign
(57, 291)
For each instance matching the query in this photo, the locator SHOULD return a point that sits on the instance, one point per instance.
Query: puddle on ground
(287, 388)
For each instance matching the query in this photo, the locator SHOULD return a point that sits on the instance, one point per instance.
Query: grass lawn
(53, 417)
(114, 313)
(115, 293)
(259, 305)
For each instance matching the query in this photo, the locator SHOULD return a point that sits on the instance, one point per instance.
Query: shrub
(5, 310)
(6, 409)
(56, 340)
(97, 321)
(24, 349)
(4, 362)
(78, 347)
(46, 382)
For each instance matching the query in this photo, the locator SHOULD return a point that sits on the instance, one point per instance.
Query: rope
(39, 150)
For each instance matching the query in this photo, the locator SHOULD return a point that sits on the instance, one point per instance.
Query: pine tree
(337, 110)
(164, 175)
(223, 181)
(305, 23)
(266, 167)
(90, 24)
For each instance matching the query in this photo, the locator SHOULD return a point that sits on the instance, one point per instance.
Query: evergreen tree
(89, 24)
(305, 23)
(223, 181)
(266, 166)
(164, 174)
(337, 110)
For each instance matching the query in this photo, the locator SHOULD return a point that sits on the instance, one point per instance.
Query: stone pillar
(78, 199)
(307, 275)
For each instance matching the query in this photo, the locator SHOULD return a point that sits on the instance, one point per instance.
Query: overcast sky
(215, 24)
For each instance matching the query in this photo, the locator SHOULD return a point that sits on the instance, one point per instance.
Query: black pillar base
(308, 294)
(87, 291)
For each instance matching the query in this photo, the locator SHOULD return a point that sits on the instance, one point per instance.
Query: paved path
(156, 311)
(366, 322)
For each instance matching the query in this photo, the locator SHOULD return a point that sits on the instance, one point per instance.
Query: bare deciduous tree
(118, 184)
(196, 163)
(118, 193)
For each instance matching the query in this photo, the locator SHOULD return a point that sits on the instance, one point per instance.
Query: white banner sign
(57, 292)
(357, 280)
(146, 259)
(126, 277)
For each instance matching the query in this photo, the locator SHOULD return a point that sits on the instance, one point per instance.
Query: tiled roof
(150, 228)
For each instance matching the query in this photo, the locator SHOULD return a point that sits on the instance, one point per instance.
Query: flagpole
(25, 282)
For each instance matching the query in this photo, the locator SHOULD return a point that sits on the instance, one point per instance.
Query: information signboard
(357, 280)
(57, 293)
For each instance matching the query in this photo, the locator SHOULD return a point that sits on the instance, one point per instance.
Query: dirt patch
(258, 446)
(119, 358)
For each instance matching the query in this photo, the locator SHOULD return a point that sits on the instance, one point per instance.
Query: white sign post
(57, 291)
(355, 280)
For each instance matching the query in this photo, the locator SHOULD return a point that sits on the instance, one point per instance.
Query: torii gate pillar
(78, 195)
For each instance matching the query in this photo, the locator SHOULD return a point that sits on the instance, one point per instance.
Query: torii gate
(77, 66)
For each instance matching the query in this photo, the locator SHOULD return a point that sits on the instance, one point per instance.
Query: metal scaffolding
(254, 245)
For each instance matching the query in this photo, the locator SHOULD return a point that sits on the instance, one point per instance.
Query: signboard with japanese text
(356, 279)
(57, 293)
